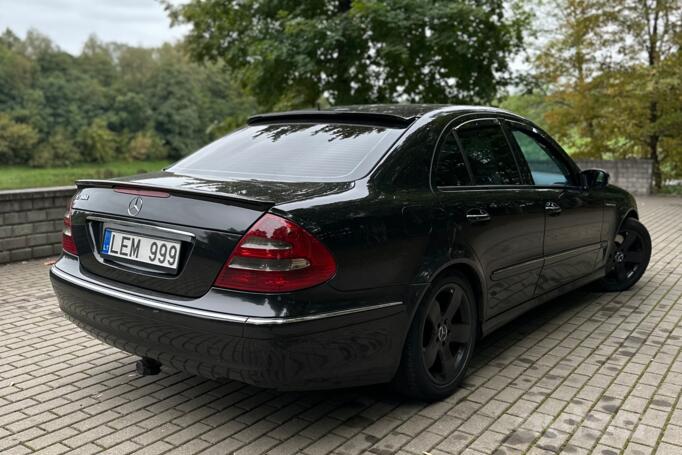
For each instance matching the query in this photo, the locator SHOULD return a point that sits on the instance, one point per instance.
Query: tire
(629, 258)
(440, 342)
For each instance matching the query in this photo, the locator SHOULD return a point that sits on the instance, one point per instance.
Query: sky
(70, 22)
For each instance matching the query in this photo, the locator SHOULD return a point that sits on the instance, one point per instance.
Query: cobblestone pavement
(586, 373)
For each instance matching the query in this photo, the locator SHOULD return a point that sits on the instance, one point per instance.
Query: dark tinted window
(293, 152)
(489, 155)
(450, 168)
(544, 167)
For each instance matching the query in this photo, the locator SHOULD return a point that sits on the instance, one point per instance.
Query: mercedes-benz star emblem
(135, 206)
(442, 333)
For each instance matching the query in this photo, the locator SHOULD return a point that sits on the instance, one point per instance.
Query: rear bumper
(325, 350)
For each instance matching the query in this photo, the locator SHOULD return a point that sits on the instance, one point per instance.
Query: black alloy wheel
(441, 340)
(446, 333)
(630, 257)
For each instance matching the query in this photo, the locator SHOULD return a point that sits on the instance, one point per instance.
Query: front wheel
(630, 258)
(440, 342)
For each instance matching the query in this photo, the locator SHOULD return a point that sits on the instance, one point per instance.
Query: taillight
(68, 245)
(276, 255)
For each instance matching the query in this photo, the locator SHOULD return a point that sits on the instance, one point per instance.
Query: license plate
(141, 249)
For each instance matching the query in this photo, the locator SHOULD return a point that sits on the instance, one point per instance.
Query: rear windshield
(293, 152)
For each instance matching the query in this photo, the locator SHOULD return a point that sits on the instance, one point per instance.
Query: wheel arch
(630, 213)
(469, 270)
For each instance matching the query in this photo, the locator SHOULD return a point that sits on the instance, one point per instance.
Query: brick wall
(31, 222)
(632, 175)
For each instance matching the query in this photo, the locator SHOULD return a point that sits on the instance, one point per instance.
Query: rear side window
(489, 156)
(293, 152)
(450, 167)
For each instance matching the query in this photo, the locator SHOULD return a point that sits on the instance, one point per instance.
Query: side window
(450, 167)
(544, 167)
(489, 156)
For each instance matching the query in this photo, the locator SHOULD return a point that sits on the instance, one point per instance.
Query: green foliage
(292, 53)
(607, 81)
(97, 142)
(57, 109)
(614, 73)
(57, 150)
(530, 105)
(178, 117)
(675, 190)
(130, 112)
(16, 140)
(15, 71)
(146, 146)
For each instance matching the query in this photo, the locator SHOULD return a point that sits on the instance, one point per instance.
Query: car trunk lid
(205, 218)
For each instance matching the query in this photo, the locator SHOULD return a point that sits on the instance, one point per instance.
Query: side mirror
(595, 179)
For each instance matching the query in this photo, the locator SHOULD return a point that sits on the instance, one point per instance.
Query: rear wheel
(630, 257)
(440, 342)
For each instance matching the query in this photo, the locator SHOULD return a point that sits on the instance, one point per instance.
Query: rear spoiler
(214, 195)
(368, 118)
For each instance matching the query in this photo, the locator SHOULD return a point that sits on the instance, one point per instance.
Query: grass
(15, 177)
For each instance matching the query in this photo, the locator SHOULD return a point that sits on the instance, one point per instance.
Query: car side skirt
(499, 320)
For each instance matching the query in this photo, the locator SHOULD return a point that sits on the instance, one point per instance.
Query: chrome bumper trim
(115, 293)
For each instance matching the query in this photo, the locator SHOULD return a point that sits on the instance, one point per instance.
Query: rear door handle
(552, 208)
(477, 215)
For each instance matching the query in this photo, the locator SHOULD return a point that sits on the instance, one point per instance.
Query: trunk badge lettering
(135, 206)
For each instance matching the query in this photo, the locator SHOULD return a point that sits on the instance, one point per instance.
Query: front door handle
(552, 208)
(478, 215)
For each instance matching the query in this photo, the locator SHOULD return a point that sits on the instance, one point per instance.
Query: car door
(573, 219)
(491, 213)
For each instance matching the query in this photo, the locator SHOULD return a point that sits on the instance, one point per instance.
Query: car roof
(398, 115)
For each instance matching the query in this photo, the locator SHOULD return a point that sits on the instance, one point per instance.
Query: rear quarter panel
(377, 239)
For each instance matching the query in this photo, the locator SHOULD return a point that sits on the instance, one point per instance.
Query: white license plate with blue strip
(142, 249)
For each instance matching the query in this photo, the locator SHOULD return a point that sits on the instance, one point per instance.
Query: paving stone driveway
(589, 372)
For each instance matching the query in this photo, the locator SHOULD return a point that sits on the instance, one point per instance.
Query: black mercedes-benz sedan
(342, 247)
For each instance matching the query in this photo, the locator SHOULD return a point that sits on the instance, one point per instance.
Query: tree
(571, 63)
(130, 112)
(175, 102)
(58, 150)
(532, 105)
(97, 142)
(146, 146)
(97, 60)
(16, 71)
(16, 141)
(648, 77)
(614, 73)
(112, 101)
(291, 53)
